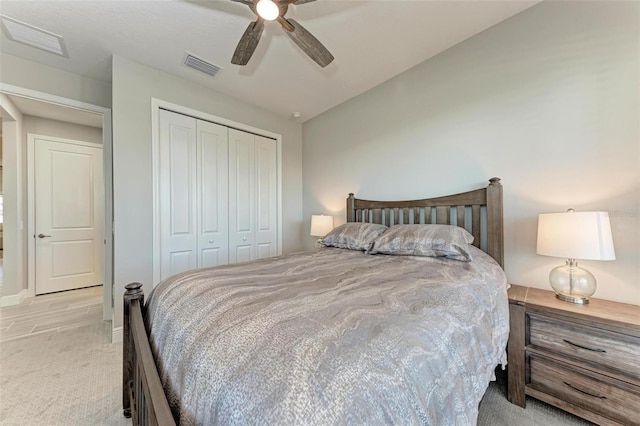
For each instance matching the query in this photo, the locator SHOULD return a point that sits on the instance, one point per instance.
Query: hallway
(52, 313)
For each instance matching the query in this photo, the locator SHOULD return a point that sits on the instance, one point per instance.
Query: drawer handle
(583, 347)
(585, 392)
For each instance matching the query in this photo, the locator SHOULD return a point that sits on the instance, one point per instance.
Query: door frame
(156, 106)
(107, 154)
(31, 213)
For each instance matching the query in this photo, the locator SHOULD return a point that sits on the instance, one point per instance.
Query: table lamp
(321, 225)
(574, 235)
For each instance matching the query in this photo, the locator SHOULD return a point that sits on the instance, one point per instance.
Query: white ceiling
(371, 40)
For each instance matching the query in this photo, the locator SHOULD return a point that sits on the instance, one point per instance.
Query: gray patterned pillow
(353, 235)
(425, 240)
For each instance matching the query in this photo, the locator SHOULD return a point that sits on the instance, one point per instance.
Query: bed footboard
(143, 398)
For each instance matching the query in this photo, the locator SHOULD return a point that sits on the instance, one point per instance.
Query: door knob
(244, 239)
(211, 241)
(44, 236)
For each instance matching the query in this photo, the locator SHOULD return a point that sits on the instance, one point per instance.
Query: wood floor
(51, 313)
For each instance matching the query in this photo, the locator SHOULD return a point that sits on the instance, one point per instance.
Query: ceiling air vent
(33, 36)
(201, 65)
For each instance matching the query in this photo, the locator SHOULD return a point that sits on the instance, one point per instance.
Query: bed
(329, 336)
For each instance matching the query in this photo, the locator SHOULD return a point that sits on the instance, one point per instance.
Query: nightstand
(584, 359)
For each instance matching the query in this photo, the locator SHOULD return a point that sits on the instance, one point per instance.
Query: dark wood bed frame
(479, 211)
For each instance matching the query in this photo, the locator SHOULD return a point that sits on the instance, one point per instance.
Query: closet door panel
(241, 196)
(243, 253)
(213, 194)
(178, 214)
(266, 197)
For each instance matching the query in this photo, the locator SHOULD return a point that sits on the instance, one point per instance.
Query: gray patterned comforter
(332, 336)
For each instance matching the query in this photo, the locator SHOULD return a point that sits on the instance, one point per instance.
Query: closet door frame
(156, 106)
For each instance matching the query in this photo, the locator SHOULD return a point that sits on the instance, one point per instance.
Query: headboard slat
(377, 216)
(442, 215)
(460, 215)
(475, 224)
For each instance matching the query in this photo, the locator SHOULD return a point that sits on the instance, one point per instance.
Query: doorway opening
(54, 118)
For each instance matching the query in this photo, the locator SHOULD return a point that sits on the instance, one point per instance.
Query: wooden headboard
(479, 212)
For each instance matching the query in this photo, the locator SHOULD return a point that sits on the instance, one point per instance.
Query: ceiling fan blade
(247, 2)
(248, 43)
(307, 42)
(296, 2)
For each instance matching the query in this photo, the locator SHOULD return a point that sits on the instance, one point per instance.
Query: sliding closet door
(213, 194)
(178, 195)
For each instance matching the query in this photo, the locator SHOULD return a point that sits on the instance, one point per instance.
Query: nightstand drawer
(611, 398)
(614, 350)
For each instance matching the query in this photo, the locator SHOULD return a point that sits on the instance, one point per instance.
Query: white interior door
(69, 205)
(217, 195)
(242, 189)
(266, 197)
(253, 210)
(213, 194)
(178, 195)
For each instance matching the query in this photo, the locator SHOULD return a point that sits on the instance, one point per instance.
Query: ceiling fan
(275, 10)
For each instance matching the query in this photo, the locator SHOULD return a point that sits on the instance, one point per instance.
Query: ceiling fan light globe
(268, 10)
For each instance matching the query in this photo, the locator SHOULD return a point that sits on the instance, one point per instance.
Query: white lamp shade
(575, 235)
(321, 225)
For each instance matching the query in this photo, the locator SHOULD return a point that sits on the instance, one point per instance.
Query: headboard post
(351, 208)
(495, 221)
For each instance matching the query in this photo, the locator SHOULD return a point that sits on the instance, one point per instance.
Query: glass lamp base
(573, 299)
(572, 283)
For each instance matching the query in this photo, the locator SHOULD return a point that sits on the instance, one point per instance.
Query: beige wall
(32, 75)
(14, 238)
(133, 87)
(547, 100)
(61, 129)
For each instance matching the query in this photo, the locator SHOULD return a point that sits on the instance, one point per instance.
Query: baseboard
(117, 335)
(13, 299)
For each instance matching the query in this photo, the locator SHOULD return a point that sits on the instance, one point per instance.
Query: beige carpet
(67, 378)
(73, 377)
